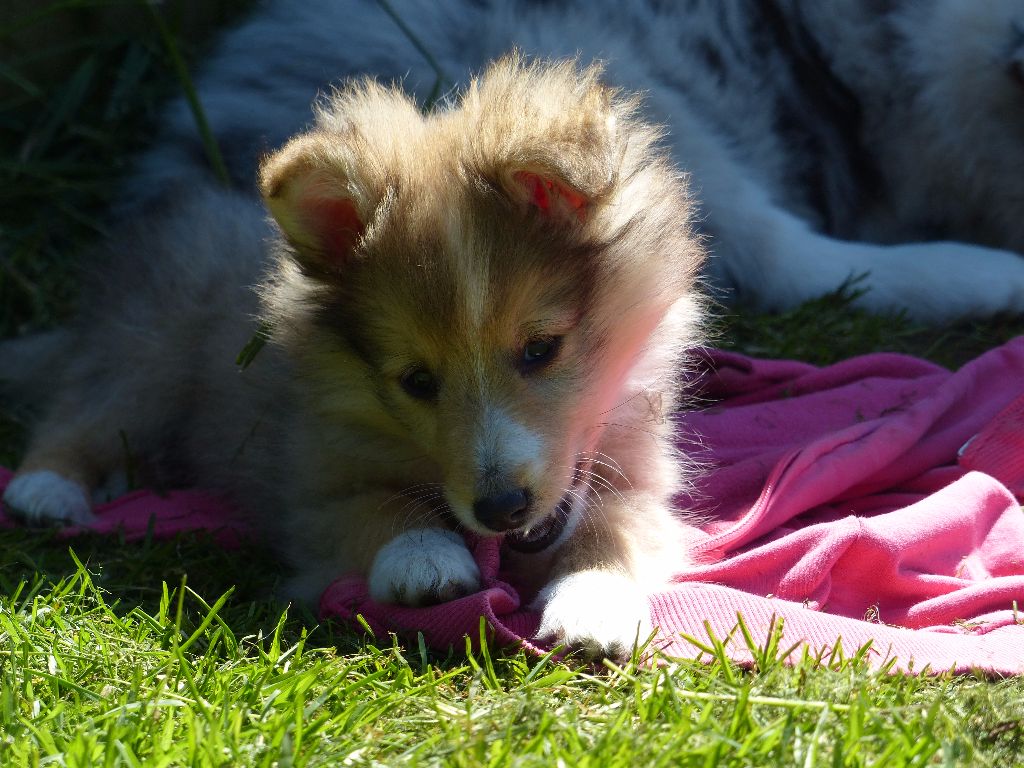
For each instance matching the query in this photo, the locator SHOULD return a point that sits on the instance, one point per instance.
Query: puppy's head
(478, 289)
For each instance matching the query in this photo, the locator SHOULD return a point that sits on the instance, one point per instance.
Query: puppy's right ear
(312, 193)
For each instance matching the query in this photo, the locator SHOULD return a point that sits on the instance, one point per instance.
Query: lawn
(171, 652)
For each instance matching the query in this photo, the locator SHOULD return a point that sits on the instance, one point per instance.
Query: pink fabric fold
(141, 514)
(867, 503)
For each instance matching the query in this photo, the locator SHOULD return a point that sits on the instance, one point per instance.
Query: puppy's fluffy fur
(477, 319)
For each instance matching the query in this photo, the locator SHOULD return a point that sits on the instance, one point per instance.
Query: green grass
(171, 653)
(184, 676)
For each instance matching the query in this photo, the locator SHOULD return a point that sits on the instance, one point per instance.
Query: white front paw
(43, 496)
(598, 613)
(422, 567)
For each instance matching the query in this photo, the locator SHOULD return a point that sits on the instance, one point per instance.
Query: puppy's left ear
(551, 196)
(314, 194)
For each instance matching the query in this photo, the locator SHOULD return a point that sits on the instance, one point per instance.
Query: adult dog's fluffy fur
(476, 323)
(828, 139)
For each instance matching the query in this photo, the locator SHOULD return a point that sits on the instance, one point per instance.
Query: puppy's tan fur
(538, 207)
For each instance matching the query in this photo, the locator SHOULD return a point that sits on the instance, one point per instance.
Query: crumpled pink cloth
(866, 502)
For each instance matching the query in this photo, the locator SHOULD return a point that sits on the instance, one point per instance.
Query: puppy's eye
(420, 383)
(539, 352)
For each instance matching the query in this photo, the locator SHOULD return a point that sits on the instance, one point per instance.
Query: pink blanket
(868, 502)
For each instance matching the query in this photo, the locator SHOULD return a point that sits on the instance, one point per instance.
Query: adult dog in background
(826, 140)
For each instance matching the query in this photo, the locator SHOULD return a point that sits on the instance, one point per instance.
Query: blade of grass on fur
(181, 71)
(435, 92)
(134, 66)
(253, 346)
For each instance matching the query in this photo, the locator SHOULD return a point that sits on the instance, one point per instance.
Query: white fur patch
(601, 613)
(421, 567)
(931, 281)
(45, 496)
(506, 445)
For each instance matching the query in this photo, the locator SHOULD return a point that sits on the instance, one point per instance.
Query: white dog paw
(43, 496)
(422, 567)
(599, 614)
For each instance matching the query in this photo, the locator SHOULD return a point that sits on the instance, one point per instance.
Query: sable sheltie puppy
(476, 320)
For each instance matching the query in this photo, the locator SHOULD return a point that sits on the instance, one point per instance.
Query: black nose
(503, 511)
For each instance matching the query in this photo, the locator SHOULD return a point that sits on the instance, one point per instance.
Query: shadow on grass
(143, 575)
(195, 572)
